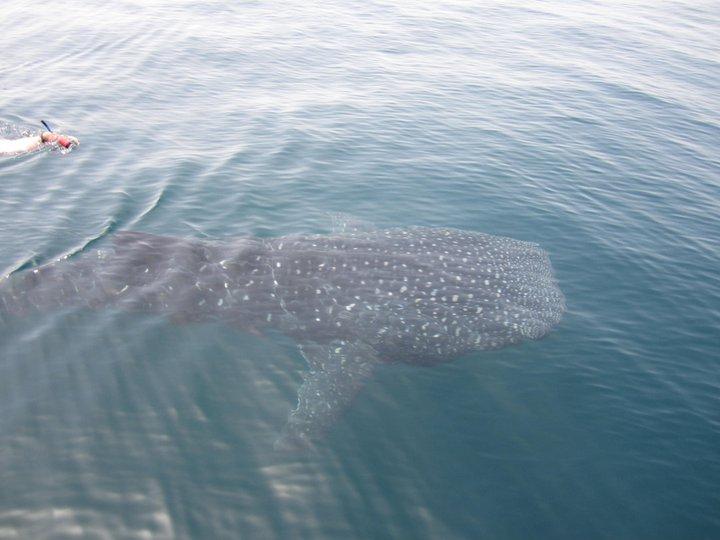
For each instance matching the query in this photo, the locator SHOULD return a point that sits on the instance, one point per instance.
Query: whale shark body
(352, 300)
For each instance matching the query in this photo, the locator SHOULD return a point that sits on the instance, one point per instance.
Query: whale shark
(352, 300)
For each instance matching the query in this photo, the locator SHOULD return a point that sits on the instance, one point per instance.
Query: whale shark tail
(129, 273)
(50, 287)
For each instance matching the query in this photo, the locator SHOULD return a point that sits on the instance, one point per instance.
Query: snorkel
(61, 139)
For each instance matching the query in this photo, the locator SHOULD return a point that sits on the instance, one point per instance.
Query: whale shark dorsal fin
(345, 223)
(338, 371)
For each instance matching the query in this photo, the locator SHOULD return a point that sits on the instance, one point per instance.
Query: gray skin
(352, 300)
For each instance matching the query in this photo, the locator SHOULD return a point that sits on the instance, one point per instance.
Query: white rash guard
(13, 147)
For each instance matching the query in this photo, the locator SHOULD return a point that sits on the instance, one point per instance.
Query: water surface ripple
(591, 128)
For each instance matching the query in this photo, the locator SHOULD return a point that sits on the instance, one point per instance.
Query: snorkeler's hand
(66, 141)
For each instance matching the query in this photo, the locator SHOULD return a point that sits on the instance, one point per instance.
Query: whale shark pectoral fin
(338, 372)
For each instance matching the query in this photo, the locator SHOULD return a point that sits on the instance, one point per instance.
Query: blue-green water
(591, 128)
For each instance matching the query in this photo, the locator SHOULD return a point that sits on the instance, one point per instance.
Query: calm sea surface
(591, 128)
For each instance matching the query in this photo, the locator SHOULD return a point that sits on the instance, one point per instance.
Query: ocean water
(591, 128)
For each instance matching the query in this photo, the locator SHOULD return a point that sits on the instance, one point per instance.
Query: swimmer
(24, 145)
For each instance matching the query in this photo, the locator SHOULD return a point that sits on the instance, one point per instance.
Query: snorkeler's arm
(11, 147)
